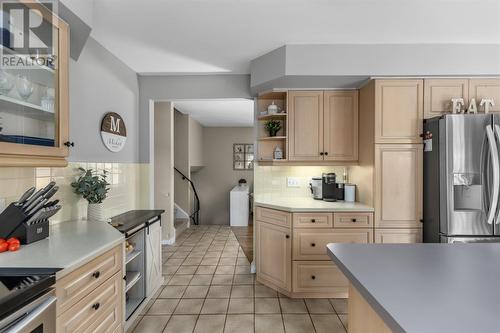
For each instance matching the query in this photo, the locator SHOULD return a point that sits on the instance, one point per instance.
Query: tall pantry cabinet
(390, 157)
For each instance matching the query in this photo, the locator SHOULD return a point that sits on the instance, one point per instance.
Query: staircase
(181, 220)
(195, 215)
(180, 225)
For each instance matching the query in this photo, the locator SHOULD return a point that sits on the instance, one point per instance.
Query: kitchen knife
(38, 194)
(26, 195)
(33, 218)
(37, 206)
(51, 203)
(47, 195)
(32, 199)
(51, 212)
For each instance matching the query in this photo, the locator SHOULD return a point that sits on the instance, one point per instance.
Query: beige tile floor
(208, 288)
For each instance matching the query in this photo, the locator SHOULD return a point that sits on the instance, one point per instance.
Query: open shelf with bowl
(272, 126)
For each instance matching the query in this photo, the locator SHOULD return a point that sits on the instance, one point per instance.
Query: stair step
(180, 226)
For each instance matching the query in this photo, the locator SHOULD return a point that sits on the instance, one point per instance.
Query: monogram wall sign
(113, 131)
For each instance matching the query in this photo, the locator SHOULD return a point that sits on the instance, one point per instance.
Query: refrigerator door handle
(497, 133)
(496, 171)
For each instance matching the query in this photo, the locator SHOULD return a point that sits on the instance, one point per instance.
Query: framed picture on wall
(243, 156)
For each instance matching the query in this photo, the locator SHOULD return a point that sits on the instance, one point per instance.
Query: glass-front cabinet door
(33, 84)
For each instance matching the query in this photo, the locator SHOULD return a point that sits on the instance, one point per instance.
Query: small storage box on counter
(28, 218)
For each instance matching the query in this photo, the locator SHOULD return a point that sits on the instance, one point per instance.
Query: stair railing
(195, 216)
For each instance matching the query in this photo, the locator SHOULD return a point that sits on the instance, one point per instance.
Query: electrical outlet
(293, 182)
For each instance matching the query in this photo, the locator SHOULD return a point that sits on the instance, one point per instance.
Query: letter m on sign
(115, 125)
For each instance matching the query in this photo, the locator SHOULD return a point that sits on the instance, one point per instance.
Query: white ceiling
(222, 36)
(219, 112)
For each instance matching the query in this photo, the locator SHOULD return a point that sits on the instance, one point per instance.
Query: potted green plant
(272, 127)
(93, 187)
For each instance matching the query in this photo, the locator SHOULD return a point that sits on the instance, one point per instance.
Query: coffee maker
(331, 190)
(316, 186)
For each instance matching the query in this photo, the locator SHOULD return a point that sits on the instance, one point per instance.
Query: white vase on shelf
(95, 212)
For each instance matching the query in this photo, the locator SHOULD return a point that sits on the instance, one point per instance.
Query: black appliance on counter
(331, 190)
(27, 301)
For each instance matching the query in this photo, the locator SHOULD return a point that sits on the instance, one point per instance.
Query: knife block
(10, 219)
(12, 224)
(31, 233)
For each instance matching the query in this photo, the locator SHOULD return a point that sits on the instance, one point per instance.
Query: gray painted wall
(100, 83)
(214, 181)
(350, 64)
(166, 88)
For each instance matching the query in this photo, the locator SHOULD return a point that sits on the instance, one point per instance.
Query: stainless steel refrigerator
(462, 178)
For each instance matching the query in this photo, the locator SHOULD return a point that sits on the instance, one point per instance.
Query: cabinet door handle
(96, 274)
(326, 153)
(353, 220)
(313, 277)
(321, 153)
(313, 221)
(96, 306)
(69, 144)
(313, 244)
(287, 236)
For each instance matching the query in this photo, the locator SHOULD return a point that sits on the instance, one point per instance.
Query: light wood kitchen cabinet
(439, 92)
(310, 244)
(398, 185)
(340, 125)
(323, 125)
(77, 284)
(90, 299)
(101, 306)
(388, 236)
(312, 220)
(305, 125)
(35, 99)
(485, 88)
(318, 277)
(292, 258)
(273, 216)
(274, 255)
(398, 111)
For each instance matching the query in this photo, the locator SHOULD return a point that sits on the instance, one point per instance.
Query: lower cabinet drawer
(310, 244)
(353, 220)
(312, 220)
(99, 311)
(77, 284)
(318, 277)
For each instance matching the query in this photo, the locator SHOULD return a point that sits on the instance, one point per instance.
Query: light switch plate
(293, 182)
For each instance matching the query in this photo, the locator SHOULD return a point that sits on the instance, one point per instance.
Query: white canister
(349, 193)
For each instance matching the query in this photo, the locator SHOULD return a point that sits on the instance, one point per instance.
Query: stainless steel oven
(38, 316)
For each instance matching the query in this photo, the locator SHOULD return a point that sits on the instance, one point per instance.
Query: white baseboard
(169, 241)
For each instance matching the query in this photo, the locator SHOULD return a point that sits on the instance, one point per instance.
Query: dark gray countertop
(426, 288)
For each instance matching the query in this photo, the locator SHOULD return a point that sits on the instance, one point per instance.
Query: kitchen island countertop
(308, 204)
(426, 287)
(70, 245)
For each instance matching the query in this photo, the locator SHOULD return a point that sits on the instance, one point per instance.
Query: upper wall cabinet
(439, 92)
(398, 111)
(485, 88)
(323, 126)
(34, 92)
(341, 125)
(305, 125)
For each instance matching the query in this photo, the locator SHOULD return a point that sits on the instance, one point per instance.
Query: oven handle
(37, 312)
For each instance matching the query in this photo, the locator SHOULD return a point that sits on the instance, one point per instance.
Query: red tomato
(2, 240)
(4, 246)
(14, 247)
(13, 240)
